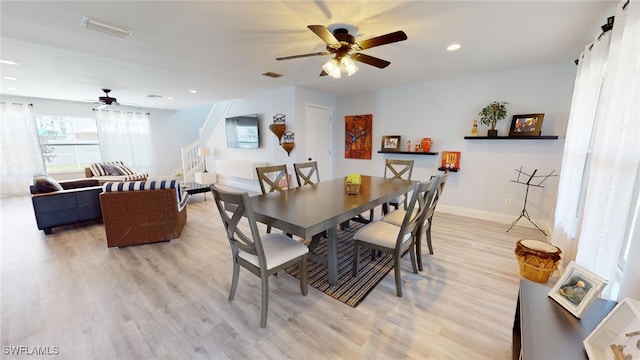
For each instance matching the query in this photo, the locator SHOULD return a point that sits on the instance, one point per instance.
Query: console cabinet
(543, 329)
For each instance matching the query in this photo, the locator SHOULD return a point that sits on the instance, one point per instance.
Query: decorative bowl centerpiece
(352, 184)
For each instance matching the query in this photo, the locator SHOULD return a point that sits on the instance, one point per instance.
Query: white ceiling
(221, 48)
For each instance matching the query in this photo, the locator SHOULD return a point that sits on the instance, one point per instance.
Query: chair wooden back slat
(305, 172)
(237, 204)
(277, 172)
(398, 169)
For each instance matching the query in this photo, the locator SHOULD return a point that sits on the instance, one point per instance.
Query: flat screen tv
(243, 132)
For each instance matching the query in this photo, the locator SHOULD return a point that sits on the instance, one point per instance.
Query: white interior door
(318, 121)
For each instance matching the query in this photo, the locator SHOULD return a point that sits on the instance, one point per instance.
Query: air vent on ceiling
(154, 96)
(272, 74)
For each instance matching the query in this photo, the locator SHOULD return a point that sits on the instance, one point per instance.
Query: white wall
(445, 110)
(289, 101)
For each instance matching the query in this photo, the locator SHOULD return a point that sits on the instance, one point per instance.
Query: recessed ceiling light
(9, 78)
(8, 62)
(104, 27)
(170, 98)
(193, 91)
(453, 47)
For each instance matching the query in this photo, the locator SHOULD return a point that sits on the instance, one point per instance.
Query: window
(68, 143)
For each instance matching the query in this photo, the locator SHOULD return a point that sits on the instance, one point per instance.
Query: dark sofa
(79, 200)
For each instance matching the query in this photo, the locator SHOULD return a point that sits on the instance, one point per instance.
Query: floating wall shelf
(407, 152)
(448, 169)
(545, 137)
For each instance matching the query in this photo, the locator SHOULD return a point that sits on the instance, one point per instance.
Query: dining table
(312, 209)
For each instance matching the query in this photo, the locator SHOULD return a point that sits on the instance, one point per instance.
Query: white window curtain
(125, 136)
(20, 155)
(605, 179)
(591, 64)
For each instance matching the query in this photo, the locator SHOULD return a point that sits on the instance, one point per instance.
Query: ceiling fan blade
(325, 35)
(323, 73)
(303, 55)
(382, 40)
(374, 61)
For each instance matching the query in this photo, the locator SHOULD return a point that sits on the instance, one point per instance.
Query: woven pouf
(537, 259)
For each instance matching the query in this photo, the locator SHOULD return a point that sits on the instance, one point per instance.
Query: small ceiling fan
(345, 48)
(107, 100)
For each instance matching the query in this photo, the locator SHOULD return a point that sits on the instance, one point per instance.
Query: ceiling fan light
(332, 68)
(348, 65)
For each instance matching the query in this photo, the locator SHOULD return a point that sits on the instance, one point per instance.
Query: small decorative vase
(426, 144)
(492, 133)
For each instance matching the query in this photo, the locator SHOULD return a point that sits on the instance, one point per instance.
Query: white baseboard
(495, 217)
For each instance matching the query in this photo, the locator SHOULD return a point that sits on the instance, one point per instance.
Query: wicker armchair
(141, 212)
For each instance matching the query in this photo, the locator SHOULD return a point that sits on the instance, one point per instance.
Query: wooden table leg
(332, 255)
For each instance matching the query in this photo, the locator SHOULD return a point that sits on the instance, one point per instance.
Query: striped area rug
(349, 290)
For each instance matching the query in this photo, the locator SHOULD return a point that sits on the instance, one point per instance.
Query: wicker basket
(352, 189)
(537, 259)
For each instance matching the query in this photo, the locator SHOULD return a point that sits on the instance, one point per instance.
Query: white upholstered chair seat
(397, 216)
(278, 249)
(380, 233)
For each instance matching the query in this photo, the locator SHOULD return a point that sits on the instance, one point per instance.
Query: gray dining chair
(263, 255)
(396, 217)
(397, 169)
(307, 173)
(385, 237)
(271, 179)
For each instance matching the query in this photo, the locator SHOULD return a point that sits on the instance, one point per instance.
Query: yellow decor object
(353, 183)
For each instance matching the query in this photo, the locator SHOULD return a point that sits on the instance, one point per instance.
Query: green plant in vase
(491, 114)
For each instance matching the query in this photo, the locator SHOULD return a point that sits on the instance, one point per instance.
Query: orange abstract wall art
(357, 136)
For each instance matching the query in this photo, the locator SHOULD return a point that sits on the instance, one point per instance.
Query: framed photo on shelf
(390, 143)
(576, 289)
(526, 125)
(450, 160)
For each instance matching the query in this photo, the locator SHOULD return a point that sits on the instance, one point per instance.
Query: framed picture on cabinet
(526, 125)
(576, 289)
(390, 143)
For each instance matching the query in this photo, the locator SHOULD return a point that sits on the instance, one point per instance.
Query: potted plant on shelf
(491, 114)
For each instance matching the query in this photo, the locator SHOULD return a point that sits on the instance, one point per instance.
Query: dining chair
(396, 217)
(426, 227)
(385, 237)
(397, 169)
(271, 178)
(305, 176)
(263, 255)
(305, 173)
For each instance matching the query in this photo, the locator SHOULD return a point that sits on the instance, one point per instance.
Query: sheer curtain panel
(125, 135)
(21, 157)
(607, 236)
(589, 77)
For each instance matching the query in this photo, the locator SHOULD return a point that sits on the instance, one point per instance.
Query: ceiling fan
(107, 100)
(345, 48)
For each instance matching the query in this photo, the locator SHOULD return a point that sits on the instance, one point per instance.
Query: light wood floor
(169, 300)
